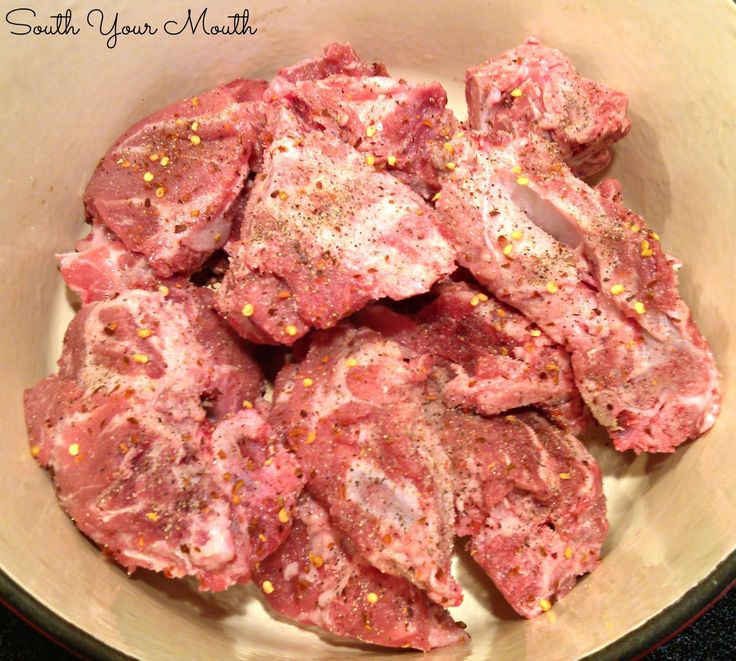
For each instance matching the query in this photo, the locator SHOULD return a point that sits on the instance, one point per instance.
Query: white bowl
(66, 97)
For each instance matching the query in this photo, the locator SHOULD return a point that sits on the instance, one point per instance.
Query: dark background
(710, 638)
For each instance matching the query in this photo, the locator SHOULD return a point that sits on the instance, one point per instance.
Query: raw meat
(486, 356)
(409, 424)
(338, 59)
(401, 127)
(152, 455)
(315, 578)
(166, 185)
(530, 498)
(102, 267)
(533, 86)
(324, 234)
(593, 277)
(352, 412)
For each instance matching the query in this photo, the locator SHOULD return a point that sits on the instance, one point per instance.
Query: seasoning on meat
(373, 463)
(485, 355)
(150, 204)
(640, 363)
(152, 456)
(530, 498)
(533, 86)
(331, 232)
(315, 578)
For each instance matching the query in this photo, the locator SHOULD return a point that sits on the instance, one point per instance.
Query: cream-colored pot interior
(65, 99)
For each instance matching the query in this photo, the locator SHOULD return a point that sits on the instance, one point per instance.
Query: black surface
(710, 638)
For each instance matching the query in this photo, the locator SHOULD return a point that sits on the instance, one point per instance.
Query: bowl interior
(66, 98)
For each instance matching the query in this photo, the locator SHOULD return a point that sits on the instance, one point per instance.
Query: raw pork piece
(352, 412)
(315, 578)
(338, 59)
(324, 234)
(166, 185)
(535, 86)
(530, 498)
(103, 267)
(593, 277)
(401, 127)
(486, 356)
(152, 455)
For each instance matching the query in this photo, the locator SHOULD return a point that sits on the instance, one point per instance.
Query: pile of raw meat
(447, 305)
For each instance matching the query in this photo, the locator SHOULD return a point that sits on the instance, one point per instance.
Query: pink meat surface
(166, 185)
(338, 59)
(352, 412)
(530, 498)
(535, 86)
(593, 277)
(102, 267)
(486, 356)
(324, 234)
(152, 455)
(316, 578)
(401, 127)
